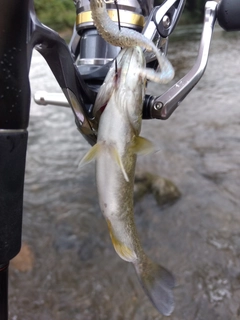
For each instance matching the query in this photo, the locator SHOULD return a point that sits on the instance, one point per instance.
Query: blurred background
(60, 14)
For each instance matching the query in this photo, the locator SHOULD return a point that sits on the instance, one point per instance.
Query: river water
(73, 272)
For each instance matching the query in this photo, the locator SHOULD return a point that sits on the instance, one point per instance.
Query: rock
(24, 261)
(164, 190)
(142, 185)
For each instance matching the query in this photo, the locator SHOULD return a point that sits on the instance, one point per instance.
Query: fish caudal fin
(157, 283)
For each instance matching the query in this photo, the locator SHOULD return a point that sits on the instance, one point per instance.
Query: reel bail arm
(163, 106)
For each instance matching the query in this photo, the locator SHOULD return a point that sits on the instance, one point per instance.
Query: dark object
(14, 84)
(13, 147)
(14, 117)
(4, 292)
(147, 105)
(229, 15)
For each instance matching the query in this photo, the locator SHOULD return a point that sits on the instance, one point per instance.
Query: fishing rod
(79, 69)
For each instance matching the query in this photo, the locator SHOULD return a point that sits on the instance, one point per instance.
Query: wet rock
(24, 261)
(142, 185)
(164, 190)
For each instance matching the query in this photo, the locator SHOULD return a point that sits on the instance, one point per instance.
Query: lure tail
(157, 283)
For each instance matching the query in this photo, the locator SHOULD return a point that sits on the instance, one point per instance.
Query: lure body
(128, 38)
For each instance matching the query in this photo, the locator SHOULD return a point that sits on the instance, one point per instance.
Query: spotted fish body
(128, 38)
(116, 150)
(119, 128)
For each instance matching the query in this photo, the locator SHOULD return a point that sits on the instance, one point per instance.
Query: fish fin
(157, 282)
(105, 91)
(116, 157)
(102, 99)
(90, 155)
(142, 146)
(122, 249)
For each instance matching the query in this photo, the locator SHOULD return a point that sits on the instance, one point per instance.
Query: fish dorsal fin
(117, 158)
(91, 154)
(142, 146)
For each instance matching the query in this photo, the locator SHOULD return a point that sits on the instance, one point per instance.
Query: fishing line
(118, 14)
(119, 27)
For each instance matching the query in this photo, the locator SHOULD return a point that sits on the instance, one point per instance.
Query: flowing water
(74, 272)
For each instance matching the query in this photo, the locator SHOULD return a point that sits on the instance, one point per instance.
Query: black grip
(4, 292)
(14, 65)
(228, 15)
(13, 146)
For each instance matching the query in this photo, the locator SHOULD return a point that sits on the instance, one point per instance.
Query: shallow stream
(74, 272)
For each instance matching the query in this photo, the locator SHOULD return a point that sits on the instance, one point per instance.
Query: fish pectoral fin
(116, 157)
(142, 146)
(90, 155)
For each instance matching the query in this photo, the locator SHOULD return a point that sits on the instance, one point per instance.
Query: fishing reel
(93, 55)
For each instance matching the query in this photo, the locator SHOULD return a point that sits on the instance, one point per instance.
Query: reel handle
(229, 15)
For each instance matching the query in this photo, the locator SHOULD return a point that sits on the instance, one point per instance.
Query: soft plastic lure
(128, 38)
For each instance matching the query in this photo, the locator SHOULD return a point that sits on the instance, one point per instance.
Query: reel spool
(96, 55)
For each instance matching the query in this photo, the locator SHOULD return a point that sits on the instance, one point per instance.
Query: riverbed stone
(164, 190)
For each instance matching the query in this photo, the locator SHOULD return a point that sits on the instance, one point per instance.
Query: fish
(129, 38)
(120, 101)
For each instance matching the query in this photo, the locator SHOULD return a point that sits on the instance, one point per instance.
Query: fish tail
(157, 282)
